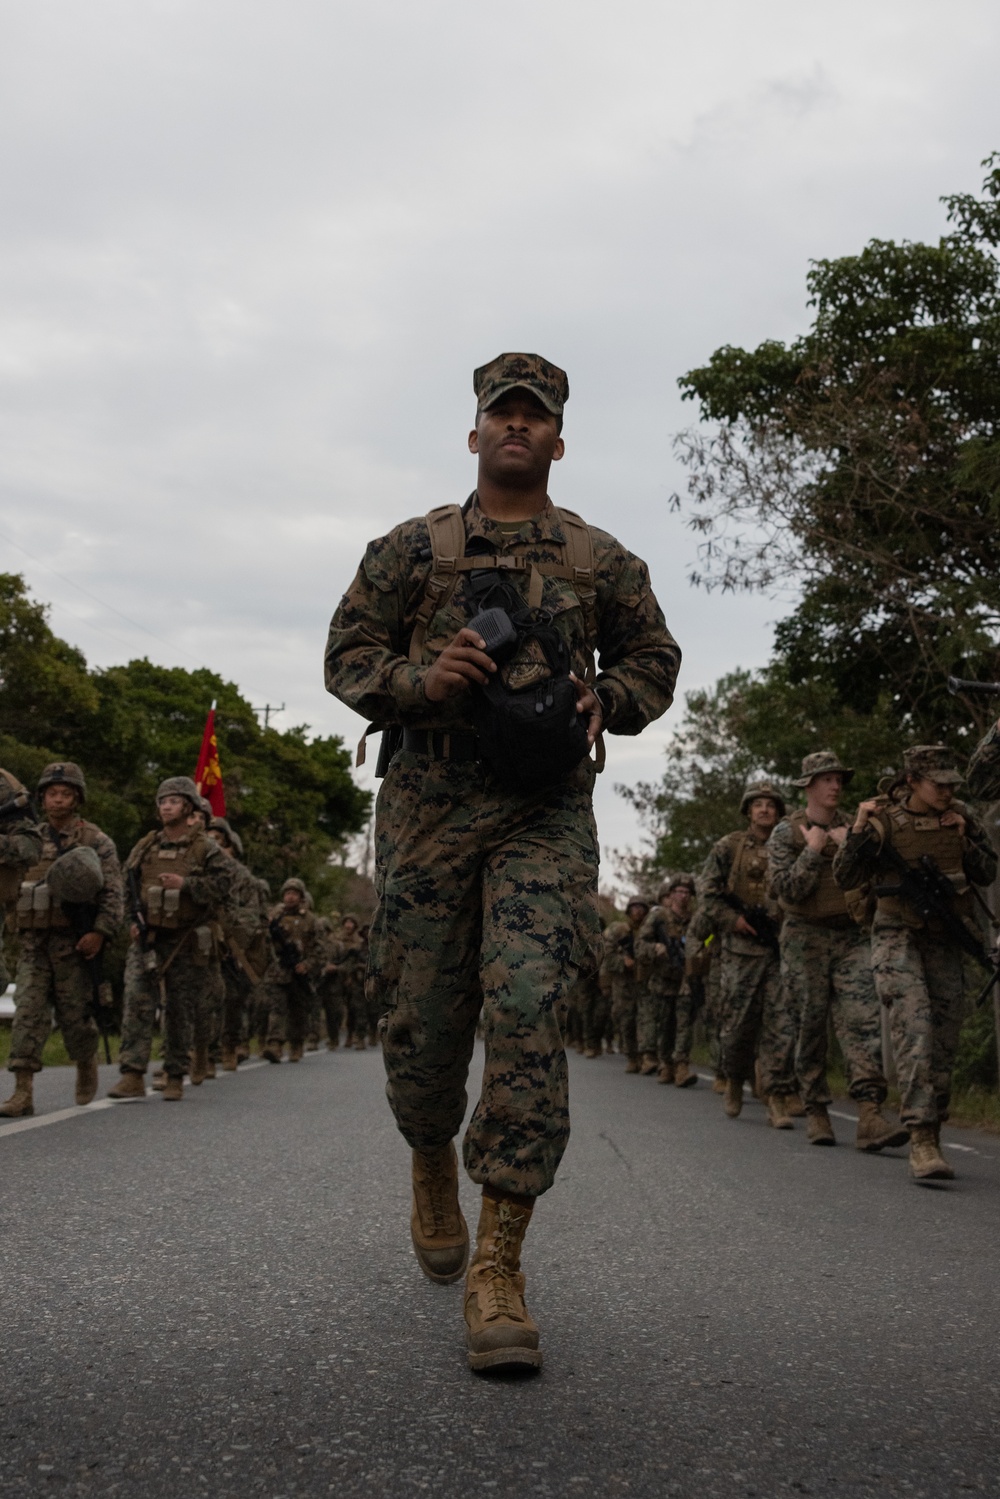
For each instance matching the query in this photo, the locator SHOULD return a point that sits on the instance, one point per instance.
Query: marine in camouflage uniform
(330, 983)
(290, 975)
(621, 964)
(753, 1015)
(245, 948)
(351, 967)
(487, 896)
(826, 964)
(597, 1026)
(186, 882)
(59, 943)
(917, 964)
(20, 846)
(983, 775)
(659, 947)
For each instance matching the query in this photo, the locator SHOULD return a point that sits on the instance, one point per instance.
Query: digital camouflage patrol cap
(822, 763)
(933, 762)
(521, 372)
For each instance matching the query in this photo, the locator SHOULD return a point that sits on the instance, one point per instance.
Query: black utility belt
(442, 744)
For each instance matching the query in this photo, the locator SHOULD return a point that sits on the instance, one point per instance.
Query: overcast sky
(252, 252)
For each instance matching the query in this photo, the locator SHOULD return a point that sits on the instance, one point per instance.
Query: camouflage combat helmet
(822, 763)
(13, 796)
(76, 877)
(204, 806)
(762, 788)
(350, 916)
(232, 838)
(932, 762)
(636, 900)
(63, 773)
(521, 372)
(675, 882)
(178, 786)
(295, 884)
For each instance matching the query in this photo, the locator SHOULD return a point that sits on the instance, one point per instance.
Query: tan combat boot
(21, 1102)
(295, 1052)
(173, 1088)
(718, 1083)
(159, 1081)
(500, 1332)
(683, 1076)
(312, 1044)
(649, 1064)
(439, 1232)
(734, 1098)
(86, 1080)
(359, 1043)
(199, 1065)
(210, 1071)
(875, 1131)
(776, 1113)
(819, 1130)
(592, 1052)
(926, 1161)
(272, 1051)
(794, 1107)
(129, 1085)
(230, 1061)
(665, 1072)
(632, 1065)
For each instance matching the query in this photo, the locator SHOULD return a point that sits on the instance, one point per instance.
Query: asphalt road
(218, 1297)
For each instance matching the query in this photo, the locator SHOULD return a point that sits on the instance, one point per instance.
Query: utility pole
(267, 710)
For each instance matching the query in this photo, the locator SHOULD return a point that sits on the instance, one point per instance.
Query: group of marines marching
(211, 960)
(833, 945)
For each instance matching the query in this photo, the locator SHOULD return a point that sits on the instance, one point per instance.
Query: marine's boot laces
(500, 1329)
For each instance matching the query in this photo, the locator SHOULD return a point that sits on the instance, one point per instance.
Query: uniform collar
(545, 526)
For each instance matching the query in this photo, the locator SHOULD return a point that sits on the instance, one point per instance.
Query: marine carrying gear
(827, 904)
(76, 877)
(171, 910)
(39, 901)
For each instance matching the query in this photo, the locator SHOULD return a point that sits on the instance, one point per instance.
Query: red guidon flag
(208, 776)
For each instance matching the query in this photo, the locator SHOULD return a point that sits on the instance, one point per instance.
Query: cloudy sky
(252, 252)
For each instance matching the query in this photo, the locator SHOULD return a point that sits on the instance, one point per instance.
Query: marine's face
(350, 927)
(516, 440)
(763, 813)
(291, 900)
(825, 790)
(58, 800)
(172, 809)
(636, 915)
(679, 900)
(933, 794)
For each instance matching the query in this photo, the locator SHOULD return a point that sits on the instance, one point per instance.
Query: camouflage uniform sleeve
(638, 658)
(855, 860)
(21, 843)
(364, 666)
(712, 883)
(211, 885)
(979, 858)
(983, 777)
(793, 874)
(111, 901)
(615, 952)
(648, 935)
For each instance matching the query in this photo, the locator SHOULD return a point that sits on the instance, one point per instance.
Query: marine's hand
(744, 928)
(954, 819)
(864, 811)
(462, 662)
(302, 968)
(629, 962)
(816, 838)
(660, 949)
(90, 945)
(588, 702)
(172, 881)
(133, 932)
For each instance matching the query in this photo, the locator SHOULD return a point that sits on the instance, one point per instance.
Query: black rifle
(764, 925)
(82, 916)
(961, 684)
(286, 949)
(931, 895)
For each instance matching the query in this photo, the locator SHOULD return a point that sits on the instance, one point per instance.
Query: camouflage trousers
(755, 1021)
(597, 1027)
(575, 1004)
(290, 1007)
(656, 1021)
(827, 974)
(51, 977)
(487, 902)
(625, 997)
(330, 989)
(690, 1004)
(240, 997)
(188, 986)
(920, 978)
(355, 1009)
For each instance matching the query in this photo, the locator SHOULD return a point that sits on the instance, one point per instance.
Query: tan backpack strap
(446, 528)
(582, 569)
